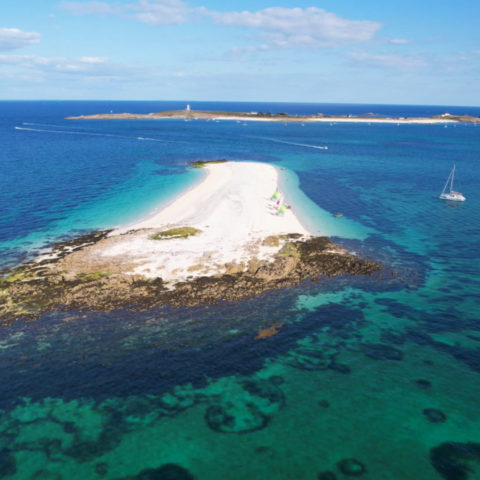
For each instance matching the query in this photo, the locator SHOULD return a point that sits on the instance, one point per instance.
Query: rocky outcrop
(38, 287)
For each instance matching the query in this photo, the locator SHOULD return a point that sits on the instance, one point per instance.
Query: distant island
(189, 114)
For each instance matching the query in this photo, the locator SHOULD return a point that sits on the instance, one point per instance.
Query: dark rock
(264, 389)
(379, 351)
(8, 465)
(308, 359)
(84, 451)
(327, 475)
(435, 416)
(223, 419)
(422, 383)
(69, 427)
(262, 449)
(324, 403)
(351, 467)
(455, 461)
(277, 380)
(169, 471)
(101, 469)
(390, 337)
(339, 367)
(43, 474)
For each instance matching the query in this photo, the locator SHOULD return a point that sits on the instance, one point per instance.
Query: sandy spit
(231, 207)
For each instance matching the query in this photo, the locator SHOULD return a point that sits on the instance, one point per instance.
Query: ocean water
(384, 369)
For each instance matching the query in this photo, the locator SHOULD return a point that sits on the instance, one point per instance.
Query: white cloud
(383, 60)
(398, 41)
(278, 27)
(90, 65)
(162, 12)
(297, 27)
(90, 8)
(153, 12)
(12, 38)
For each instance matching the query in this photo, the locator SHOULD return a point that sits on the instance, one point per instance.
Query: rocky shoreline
(43, 285)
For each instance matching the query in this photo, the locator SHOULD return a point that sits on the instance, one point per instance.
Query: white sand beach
(231, 207)
(410, 120)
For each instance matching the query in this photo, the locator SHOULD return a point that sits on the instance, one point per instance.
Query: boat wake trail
(148, 139)
(307, 145)
(66, 132)
(95, 134)
(33, 124)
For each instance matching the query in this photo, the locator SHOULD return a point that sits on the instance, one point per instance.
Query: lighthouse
(188, 107)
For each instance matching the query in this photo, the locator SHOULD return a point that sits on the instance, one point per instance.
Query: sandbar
(231, 207)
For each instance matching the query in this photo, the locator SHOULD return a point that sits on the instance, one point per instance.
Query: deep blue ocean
(377, 377)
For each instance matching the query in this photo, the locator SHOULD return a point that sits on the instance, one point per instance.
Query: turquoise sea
(375, 377)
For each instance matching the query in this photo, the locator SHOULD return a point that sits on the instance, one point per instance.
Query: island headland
(189, 114)
(231, 236)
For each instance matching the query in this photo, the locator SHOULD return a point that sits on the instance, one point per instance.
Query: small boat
(451, 195)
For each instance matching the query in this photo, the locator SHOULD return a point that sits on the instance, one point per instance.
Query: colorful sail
(275, 195)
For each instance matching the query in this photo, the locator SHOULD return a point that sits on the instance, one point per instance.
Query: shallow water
(380, 369)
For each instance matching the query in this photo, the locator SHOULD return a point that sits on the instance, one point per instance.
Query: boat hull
(453, 196)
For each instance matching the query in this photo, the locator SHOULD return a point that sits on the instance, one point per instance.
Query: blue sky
(349, 51)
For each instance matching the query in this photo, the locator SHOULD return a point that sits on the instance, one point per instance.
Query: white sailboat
(451, 195)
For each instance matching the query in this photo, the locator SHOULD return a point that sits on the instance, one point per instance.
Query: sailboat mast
(446, 183)
(451, 182)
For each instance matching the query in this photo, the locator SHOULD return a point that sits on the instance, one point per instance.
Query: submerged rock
(8, 465)
(308, 359)
(339, 367)
(435, 416)
(235, 418)
(327, 475)
(380, 351)
(351, 467)
(44, 474)
(101, 469)
(456, 461)
(169, 471)
(277, 379)
(422, 383)
(247, 406)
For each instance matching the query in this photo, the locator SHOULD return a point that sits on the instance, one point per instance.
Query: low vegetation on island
(279, 117)
(204, 163)
(179, 232)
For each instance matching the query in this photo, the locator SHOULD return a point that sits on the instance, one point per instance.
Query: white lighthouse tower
(188, 107)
